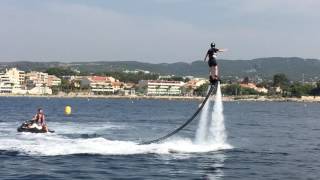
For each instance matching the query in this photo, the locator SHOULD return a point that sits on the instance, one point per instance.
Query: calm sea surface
(269, 140)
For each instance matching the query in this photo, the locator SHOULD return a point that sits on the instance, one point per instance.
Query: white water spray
(201, 133)
(212, 130)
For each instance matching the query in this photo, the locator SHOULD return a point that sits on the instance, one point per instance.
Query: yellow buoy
(67, 110)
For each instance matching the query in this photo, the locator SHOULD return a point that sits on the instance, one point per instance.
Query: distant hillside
(265, 68)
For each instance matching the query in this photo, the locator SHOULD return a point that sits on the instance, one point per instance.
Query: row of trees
(230, 90)
(132, 77)
(59, 72)
(122, 76)
(295, 89)
(67, 86)
(288, 88)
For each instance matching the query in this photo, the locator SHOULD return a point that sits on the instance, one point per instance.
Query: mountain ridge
(293, 67)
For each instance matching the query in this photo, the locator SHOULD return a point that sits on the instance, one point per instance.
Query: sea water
(270, 140)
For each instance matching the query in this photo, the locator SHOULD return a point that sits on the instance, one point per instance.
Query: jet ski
(24, 128)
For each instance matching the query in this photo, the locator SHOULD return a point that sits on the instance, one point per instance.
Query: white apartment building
(35, 78)
(161, 87)
(6, 85)
(101, 84)
(195, 83)
(16, 76)
(40, 90)
(12, 81)
(53, 80)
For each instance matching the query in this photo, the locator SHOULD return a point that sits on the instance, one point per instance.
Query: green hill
(264, 68)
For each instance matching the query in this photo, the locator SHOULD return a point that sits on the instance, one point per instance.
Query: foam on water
(52, 145)
(57, 144)
(83, 128)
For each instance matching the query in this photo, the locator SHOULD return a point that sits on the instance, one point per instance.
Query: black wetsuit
(212, 60)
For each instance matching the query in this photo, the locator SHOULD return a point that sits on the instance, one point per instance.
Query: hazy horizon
(156, 31)
(94, 61)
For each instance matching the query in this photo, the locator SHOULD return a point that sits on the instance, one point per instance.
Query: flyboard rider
(212, 62)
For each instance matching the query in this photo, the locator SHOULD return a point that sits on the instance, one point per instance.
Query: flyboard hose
(212, 87)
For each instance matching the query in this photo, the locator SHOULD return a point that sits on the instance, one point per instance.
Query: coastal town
(18, 82)
(15, 82)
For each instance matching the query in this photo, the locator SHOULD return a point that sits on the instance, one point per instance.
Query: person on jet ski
(39, 121)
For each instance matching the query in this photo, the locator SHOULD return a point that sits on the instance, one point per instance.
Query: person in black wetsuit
(212, 62)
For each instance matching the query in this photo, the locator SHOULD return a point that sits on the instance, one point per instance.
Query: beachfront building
(75, 81)
(196, 83)
(117, 85)
(53, 80)
(161, 87)
(253, 86)
(16, 76)
(35, 79)
(5, 84)
(101, 85)
(128, 89)
(11, 88)
(39, 83)
(12, 81)
(165, 77)
(137, 71)
(278, 89)
(5, 87)
(40, 90)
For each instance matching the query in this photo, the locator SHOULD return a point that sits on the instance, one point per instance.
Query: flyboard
(213, 87)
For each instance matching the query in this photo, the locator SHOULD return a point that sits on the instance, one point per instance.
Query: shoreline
(184, 98)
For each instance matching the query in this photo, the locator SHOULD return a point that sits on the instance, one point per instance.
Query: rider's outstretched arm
(223, 50)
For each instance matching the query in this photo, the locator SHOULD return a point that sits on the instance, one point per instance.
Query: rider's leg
(216, 71)
(212, 71)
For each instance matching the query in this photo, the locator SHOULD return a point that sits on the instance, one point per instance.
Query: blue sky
(157, 30)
